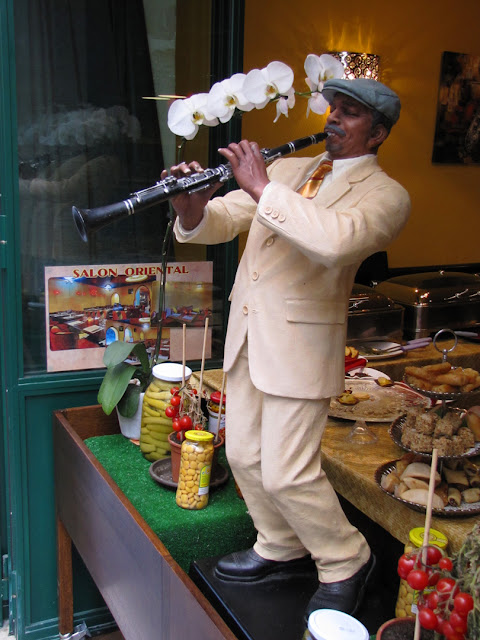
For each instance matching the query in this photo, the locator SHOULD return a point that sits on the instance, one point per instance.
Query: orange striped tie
(312, 185)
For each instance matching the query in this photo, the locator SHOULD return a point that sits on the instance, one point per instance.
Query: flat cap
(371, 93)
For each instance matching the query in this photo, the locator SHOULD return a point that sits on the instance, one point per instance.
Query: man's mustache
(331, 128)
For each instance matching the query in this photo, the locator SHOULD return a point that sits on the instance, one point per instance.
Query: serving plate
(384, 405)
(396, 430)
(447, 512)
(381, 345)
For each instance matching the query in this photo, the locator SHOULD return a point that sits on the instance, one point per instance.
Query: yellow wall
(410, 37)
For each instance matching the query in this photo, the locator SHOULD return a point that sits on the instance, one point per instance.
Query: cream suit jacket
(293, 283)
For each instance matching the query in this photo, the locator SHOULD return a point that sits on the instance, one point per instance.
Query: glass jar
(195, 468)
(213, 406)
(406, 606)
(156, 425)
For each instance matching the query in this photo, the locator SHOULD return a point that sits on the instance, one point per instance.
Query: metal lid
(365, 298)
(432, 287)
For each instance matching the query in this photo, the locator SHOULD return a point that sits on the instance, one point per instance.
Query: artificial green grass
(222, 527)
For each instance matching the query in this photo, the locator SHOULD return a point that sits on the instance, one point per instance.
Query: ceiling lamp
(136, 278)
(359, 65)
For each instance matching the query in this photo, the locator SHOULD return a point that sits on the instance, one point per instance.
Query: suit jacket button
(245, 309)
(267, 209)
(255, 275)
(275, 214)
(282, 217)
(269, 242)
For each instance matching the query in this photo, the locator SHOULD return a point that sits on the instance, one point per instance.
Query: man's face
(355, 120)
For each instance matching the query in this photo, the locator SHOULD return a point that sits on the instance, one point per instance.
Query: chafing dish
(435, 300)
(373, 316)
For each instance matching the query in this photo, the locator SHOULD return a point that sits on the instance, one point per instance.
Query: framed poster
(88, 307)
(457, 131)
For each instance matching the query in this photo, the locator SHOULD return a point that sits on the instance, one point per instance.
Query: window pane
(89, 136)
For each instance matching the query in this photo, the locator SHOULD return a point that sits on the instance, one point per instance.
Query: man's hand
(190, 206)
(248, 167)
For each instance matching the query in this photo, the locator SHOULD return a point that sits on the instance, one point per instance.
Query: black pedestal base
(273, 609)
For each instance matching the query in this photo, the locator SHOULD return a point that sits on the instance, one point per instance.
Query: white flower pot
(130, 427)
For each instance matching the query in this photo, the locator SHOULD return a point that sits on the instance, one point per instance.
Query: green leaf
(141, 352)
(128, 403)
(117, 352)
(114, 385)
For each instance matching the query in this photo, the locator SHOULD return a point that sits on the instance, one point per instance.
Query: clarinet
(89, 220)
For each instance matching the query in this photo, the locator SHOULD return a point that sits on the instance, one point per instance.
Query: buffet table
(146, 589)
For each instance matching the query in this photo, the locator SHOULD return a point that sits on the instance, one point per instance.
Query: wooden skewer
(184, 346)
(428, 521)
(203, 359)
(221, 402)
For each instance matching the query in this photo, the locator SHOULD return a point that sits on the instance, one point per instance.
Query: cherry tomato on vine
(198, 427)
(458, 622)
(431, 600)
(433, 577)
(175, 401)
(463, 602)
(427, 618)
(174, 391)
(176, 426)
(449, 632)
(445, 586)
(433, 555)
(445, 564)
(186, 422)
(417, 579)
(405, 565)
(170, 411)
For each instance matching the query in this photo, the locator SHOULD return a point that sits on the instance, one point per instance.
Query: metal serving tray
(373, 316)
(435, 300)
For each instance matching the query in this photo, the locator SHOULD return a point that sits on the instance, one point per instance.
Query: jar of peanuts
(406, 606)
(195, 467)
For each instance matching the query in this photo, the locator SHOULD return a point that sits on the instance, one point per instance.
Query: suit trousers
(273, 448)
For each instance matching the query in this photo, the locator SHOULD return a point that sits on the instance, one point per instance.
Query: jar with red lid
(213, 406)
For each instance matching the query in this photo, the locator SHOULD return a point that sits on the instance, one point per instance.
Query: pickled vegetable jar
(195, 469)
(156, 423)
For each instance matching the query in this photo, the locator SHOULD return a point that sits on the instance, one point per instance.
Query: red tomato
(450, 633)
(417, 579)
(186, 422)
(458, 622)
(175, 401)
(431, 600)
(445, 586)
(405, 565)
(176, 426)
(427, 618)
(445, 564)
(171, 412)
(463, 602)
(433, 577)
(174, 391)
(433, 555)
(198, 427)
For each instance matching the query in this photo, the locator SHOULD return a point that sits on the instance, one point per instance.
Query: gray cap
(371, 93)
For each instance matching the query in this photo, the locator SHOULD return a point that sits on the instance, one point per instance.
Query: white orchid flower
(226, 96)
(285, 103)
(319, 69)
(186, 116)
(263, 85)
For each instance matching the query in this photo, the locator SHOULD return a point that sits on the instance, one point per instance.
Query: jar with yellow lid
(406, 605)
(195, 469)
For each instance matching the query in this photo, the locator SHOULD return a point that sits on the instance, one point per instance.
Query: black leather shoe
(345, 595)
(248, 566)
